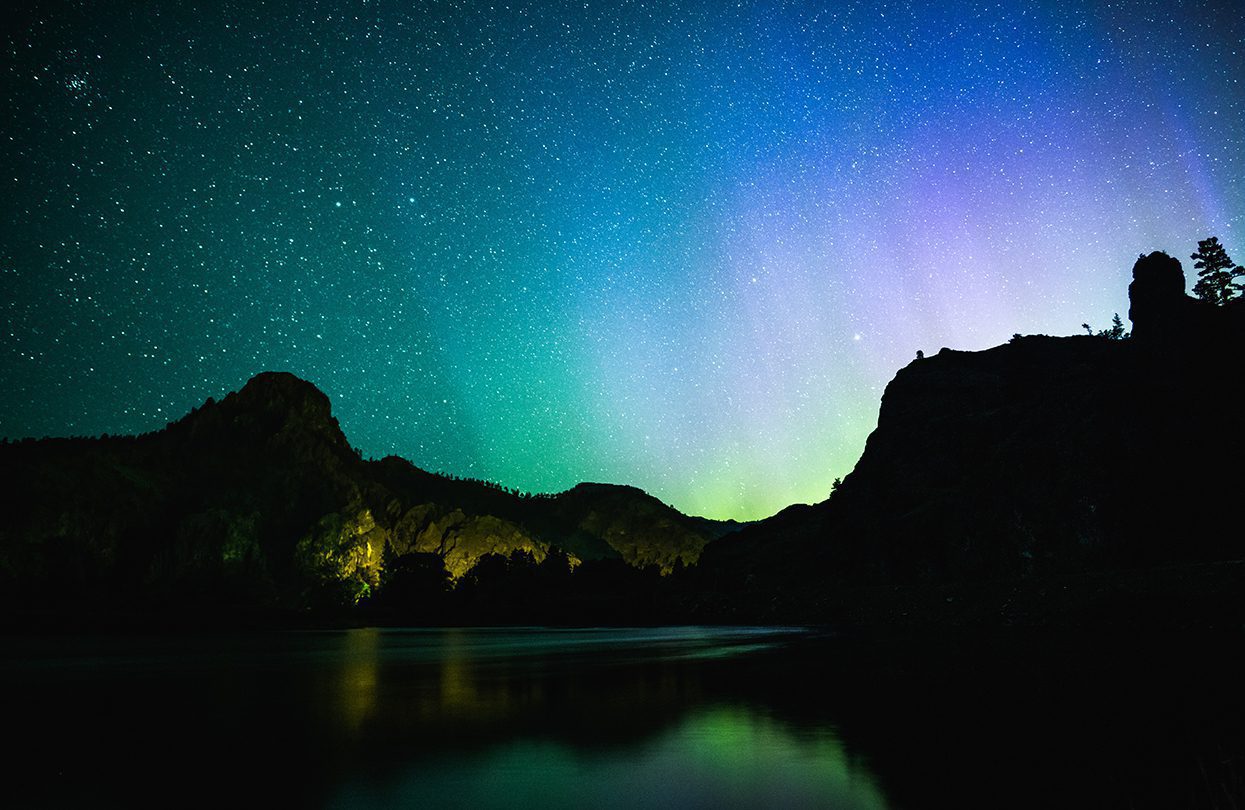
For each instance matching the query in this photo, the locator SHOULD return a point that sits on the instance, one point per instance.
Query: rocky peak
(280, 392)
(1158, 305)
(271, 404)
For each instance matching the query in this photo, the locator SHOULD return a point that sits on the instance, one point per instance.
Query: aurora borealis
(677, 245)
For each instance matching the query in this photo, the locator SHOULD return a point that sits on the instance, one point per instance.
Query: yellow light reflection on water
(359, 675)
(461, 692)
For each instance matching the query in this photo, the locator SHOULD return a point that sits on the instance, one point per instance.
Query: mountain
(1047, 480)
(1029, 466)
(259, 499)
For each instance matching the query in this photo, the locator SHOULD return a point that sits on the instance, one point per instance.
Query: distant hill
(259, 499)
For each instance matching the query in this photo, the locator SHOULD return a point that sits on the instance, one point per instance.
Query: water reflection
(574, 718)
(492, 680)
(360, 669)
(462, 693)
(726, 756)
(599, 718)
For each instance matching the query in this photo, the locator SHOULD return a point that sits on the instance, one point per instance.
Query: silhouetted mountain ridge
(1040, 459)
(1047, 477)
(259, 499)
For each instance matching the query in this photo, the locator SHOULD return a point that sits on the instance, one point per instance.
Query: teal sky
(677, 245)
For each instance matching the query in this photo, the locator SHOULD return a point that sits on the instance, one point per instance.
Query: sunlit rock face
(461, 539)
(643, 530)
(346, 546)
(350, 546)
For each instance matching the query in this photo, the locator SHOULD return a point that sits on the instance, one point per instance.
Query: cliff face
(1042, 456)
(625, 518)
(259, 499)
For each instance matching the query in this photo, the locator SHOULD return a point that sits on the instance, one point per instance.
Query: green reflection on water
(485, 718)
(726, 756)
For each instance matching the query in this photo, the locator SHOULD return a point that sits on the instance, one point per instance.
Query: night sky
(678, 245)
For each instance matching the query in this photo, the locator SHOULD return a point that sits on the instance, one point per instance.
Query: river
(598, 718)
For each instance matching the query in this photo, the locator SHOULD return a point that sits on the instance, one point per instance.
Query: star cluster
(679, 245)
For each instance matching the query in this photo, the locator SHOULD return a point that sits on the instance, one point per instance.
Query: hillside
(1036, 461)
(259, 499)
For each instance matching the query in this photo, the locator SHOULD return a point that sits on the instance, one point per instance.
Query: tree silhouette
(1216, 272)
(1115, 332)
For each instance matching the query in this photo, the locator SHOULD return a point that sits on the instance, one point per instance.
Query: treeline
(493, 485)
(516, 589)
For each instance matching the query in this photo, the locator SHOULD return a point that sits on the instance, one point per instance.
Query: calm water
(420, 718)
(671, 717)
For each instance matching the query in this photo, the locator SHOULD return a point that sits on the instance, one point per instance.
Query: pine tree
(1116, 332)
(1216, 273)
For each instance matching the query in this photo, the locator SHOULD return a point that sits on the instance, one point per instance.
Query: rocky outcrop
(1042, 457)
(1158, 307)
(628, 520)
(1170, 323)
(461, 540)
